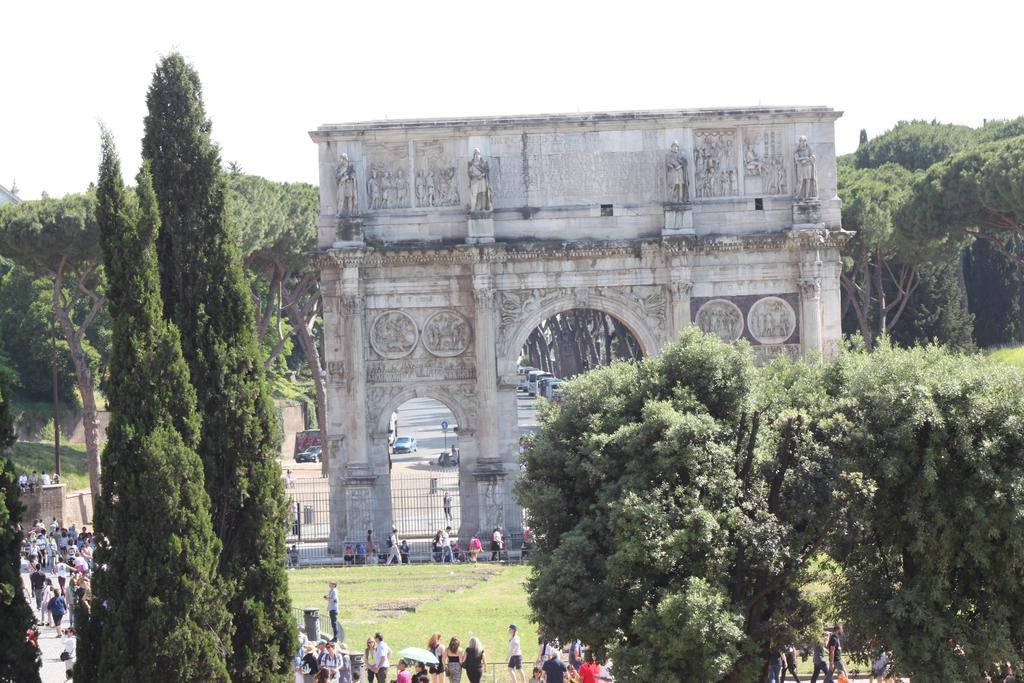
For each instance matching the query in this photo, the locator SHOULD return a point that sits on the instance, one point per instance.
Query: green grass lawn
(1010, 355)
(409, 603)
(28, 456)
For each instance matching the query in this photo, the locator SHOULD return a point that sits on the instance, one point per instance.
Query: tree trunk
(82, 373)
(302, 322)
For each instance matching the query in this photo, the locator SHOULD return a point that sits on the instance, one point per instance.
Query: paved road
(421, 419)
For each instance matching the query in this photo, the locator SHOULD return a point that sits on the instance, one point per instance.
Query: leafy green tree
(19, 660)
(914, 145)
(26, 326)
(880, 264)
(159, 614)
(277, 225)
(206, 294)
(938, 309)
(678, 501)
(57, 239)
(976, 194)
(995, 286)
(931, 444)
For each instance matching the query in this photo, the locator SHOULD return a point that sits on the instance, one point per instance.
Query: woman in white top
(515, 655)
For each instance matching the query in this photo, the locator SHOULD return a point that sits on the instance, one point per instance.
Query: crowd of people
(328, 661)
(59, 567)
(444, 547)
(27, 483)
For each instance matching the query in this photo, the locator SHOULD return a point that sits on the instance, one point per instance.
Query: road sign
(444, 426)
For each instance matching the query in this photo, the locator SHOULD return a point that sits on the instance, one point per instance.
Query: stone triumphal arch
(444, 243)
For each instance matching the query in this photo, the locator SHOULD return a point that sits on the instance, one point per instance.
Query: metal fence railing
(419, 508)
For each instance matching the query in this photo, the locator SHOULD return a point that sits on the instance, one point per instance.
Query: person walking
(453, 655)
(474, 661)
(515, 655)
(435, 648)
(590, 671)
(332, 606)
(447, 506)
(58, 608)
(446, 545)
(820, 662)
(37, 579)
(554, 669)
(393, 553)
(775, 664)
(330, 661)
(576, 654)
(495, 544)
(789, 663)
(345, 668)
(835, 654)
(383, 658)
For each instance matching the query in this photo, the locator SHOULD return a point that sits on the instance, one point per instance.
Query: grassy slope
(1010, 355)
(460, 600)
(28, 456)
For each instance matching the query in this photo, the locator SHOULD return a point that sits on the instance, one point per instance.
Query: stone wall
(46, 503)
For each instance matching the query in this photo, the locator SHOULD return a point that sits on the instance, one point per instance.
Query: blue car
(405, 444)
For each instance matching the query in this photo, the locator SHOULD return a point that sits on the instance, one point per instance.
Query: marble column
(810, 315)
(680, 293)
(486, 370)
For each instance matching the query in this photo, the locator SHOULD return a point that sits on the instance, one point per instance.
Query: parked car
(313, 454)
(405, 444)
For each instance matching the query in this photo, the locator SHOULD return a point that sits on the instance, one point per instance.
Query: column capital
(681, 289)
(484, 297)
(352, 304)
(810, 288)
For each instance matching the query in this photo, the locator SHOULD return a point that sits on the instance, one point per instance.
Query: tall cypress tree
(205, 293)
(157, 613)
(18, 658)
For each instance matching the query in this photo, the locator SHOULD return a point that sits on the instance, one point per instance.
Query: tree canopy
(664, 498)
(156, 589)
(206, 294)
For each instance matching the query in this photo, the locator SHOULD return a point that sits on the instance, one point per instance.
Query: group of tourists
(328, 661)
(59, 569)
(444, 547)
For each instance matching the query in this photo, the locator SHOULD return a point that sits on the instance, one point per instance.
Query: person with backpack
(58, 608)
(309, 667)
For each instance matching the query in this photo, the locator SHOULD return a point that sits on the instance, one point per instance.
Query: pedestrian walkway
(53, 670)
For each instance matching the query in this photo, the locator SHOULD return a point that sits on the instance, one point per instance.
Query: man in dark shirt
(555, 670)
(38, 580)
(835, 654)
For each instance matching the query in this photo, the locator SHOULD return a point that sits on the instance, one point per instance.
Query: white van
(552, 387)
(533, 376)
(523, 371)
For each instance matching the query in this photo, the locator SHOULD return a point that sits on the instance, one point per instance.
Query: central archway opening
(424, 456)
(580, 339)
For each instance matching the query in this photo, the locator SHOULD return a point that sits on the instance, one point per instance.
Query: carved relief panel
(492, 503)
(388, 185)
(714, 160)
(393, 334)
(765, 162)
(446, 334)
(436, 181)
(771, 320)
(721, 317)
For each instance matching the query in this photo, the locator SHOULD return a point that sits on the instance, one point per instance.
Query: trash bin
(358, 665)
(311, 620)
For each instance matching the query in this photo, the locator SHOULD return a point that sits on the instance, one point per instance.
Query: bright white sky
(271, 72)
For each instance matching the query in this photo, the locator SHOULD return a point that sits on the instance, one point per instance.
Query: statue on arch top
(345, 175)
(806, 179)
(479, 183)
(675, 167)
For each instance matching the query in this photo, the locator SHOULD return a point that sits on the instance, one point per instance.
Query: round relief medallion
(393, 334)
(722, 318)
(771, 320)
(446, 334)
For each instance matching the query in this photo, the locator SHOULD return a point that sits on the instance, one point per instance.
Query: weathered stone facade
(443, 243)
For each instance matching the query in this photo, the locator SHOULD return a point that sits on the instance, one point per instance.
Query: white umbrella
(418, 654)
